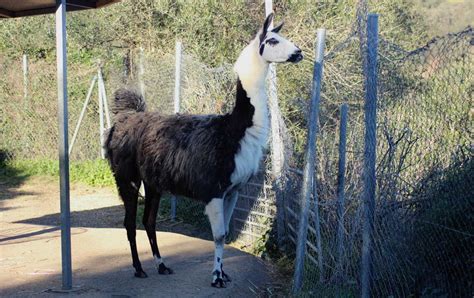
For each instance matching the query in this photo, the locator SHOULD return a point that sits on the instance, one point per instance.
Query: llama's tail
(128, 101)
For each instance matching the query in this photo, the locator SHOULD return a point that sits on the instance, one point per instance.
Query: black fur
(262, 48)
(277, 28)
(128, 101)
(266, 24)
(189, 155)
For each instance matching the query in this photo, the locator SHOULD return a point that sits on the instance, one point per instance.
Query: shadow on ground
(30, 247)
(101, 266)
(112, 217)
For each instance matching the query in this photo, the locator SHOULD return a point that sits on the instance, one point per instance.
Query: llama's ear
(277, 28)
(266, 24)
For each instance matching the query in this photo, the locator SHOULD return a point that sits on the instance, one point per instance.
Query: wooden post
(370, 108)
(309, 169)
(61, 62)
(340, 192)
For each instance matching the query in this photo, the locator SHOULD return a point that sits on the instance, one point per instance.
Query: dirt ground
(30, 256)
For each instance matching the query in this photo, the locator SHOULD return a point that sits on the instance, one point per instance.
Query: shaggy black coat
(189, 155)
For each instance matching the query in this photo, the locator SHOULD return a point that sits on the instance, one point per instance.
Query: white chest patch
(247, 159)
(252, 71)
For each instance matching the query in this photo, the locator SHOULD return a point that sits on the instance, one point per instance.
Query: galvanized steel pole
(309, 177)
(277, 147)
(101, 115)
(340, 192)
(25, 79)
(177, 94)
(369, 153)
(141, 73)
(83, 112)
(61, 63)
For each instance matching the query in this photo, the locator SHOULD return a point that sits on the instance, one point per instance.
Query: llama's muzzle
(296, 57)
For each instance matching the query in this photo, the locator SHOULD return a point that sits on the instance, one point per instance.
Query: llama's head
(275, 48)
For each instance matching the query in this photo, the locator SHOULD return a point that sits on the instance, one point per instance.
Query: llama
(204, 157)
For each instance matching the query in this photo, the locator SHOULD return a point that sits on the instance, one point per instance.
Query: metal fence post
(106, 110)
(317, 227)
(309, 169)
(101, 115)
(177, 91)
(177, 76)
(25, 78)
(369, 153)
(361, 26)
(141, 73)
(83, 112)
(61, 64)
(278, 157)
(340, 192)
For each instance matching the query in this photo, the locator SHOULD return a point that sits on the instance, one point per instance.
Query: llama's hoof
(226, 277)
(218, 283)
(228, 238)
(140, 274)
(162, 269)
(217, 279)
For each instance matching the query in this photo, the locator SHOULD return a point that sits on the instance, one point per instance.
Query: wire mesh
(424, 202)
(422, 239)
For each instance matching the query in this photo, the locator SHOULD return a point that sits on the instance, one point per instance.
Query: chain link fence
(423, 232)
(423, 235)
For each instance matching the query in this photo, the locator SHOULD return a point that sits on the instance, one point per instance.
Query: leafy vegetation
(424, 113)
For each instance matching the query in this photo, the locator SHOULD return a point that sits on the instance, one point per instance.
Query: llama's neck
(252, 71)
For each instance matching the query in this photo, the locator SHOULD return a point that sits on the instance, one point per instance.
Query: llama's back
(190, 155)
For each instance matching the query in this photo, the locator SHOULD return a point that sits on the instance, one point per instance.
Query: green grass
(93, 172)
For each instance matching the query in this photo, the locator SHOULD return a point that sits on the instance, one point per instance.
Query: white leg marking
(158, 261)
(229, 205)
(215, 212)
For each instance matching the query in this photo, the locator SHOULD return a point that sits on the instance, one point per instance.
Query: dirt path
(30, 250)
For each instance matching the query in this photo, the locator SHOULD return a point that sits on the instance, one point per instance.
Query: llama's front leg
(229, 205)
(215, 212)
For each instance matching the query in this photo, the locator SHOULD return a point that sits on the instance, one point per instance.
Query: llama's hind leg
(129, 194)
(152, 203)
(215, 212)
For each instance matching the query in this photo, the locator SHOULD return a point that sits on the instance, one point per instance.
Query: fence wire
(423, 231)
(424, 202)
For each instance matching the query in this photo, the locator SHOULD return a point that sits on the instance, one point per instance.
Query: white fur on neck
(252, 71)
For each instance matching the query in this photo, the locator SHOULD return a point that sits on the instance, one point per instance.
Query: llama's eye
(272, 41)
